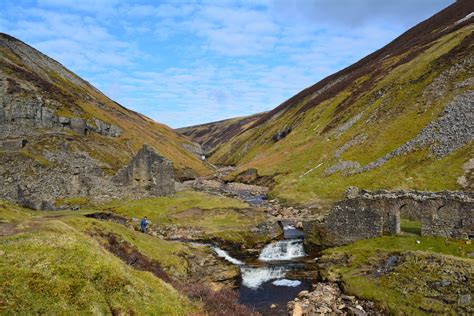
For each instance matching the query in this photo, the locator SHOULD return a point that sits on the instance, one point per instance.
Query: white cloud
(185, 63)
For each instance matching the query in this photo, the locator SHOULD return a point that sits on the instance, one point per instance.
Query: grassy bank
(50, 267)
(409, 275)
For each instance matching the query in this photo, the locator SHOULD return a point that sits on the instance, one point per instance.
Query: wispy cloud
(185, 63)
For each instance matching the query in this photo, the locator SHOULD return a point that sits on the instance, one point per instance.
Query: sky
(190, 62)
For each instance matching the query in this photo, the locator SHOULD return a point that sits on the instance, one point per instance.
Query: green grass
(48, 267)
(80, 201)
(360, 248)
(217, 217)
(10, 212)
(159, 209)
(406, 289)
(410, 226)
(168, 253)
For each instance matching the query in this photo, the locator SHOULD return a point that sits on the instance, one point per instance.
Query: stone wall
(363, 214)
(150, 171)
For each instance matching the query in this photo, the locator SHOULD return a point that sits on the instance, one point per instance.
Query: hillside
(31, 82)
(211, 135)
(54, 124)
(402, 117)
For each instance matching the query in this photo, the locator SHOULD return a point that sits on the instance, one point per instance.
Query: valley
(353, 197)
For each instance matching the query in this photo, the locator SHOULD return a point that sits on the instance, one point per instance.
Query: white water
(289, 227)
(223, 254)
(286, 282)
(254, 277)
(283, 250)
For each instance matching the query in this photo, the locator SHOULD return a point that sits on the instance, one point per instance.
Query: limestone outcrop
(20, 116)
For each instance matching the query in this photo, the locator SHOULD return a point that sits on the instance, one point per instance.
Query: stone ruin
(364, 214)
(150, 171)
(76, 174)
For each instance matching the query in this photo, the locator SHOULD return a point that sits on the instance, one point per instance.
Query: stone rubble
(328, 299)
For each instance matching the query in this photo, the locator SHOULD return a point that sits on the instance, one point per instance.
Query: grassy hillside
(62, 270)
(211, 135)
(28, 75)
(344, 126)
(58, 262)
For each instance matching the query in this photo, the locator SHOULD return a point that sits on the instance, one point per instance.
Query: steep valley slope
(54, 125)
(402, 117)
(211, 135)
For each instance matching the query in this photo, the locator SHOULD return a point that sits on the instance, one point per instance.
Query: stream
(281, 270)
(274, 278)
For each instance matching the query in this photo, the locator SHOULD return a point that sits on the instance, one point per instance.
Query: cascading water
(269, 281)
(253, 278)
(223, 254)
(283, 250)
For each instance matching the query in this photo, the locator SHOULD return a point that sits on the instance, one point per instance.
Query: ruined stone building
(363, 214)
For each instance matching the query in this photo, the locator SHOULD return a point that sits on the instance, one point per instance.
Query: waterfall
(254, 277)
(223, 254)
(283, 250)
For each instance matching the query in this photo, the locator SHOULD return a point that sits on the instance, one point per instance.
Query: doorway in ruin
(410, 222)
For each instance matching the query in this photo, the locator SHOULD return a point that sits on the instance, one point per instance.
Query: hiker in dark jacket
(144, 224)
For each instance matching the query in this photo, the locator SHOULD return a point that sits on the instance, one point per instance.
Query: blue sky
(189, 62)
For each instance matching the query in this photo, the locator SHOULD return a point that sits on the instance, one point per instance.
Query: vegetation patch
(10, 212)
(405, 274)
(160, 210)
(61, 270)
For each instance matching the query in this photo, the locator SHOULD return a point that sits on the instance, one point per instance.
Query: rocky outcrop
(247, 176)
(39, 182)
(25, 116)
(282, 133)
(150, 171)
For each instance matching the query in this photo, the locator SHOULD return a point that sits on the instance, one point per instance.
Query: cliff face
(401, 117)
(60, 137)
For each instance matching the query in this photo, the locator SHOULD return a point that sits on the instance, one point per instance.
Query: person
(144, 224)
